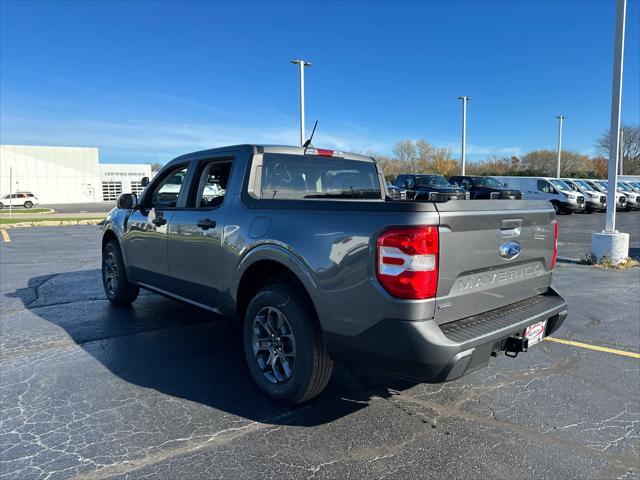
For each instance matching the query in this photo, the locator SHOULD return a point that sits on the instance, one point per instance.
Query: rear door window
(312, 177)
(212, 184)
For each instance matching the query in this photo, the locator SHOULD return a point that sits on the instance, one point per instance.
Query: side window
(465, 183)
(167, 192)
(544, 186)
(212, 184)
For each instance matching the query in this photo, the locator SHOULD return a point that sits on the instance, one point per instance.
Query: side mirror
(144, 182)
(127, 201)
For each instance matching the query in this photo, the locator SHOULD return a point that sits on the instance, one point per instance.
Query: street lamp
(464, 131)
(610, 242)
(560, 120)
(302, 64)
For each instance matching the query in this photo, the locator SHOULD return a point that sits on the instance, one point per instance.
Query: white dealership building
(66, 174)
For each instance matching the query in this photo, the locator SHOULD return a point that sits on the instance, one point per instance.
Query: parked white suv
(20, 199)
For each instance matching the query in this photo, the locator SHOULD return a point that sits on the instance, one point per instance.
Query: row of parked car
(567, 195)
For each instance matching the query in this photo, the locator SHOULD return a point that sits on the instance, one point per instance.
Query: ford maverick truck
(305, 252)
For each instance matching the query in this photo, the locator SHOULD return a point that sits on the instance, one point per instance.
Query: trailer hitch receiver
(514, 345)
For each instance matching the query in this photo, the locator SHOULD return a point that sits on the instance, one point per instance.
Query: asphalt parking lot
(161, 390)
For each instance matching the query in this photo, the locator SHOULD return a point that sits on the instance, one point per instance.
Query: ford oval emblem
(509, 250)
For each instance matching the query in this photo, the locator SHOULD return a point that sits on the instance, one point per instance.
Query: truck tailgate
(477, 275)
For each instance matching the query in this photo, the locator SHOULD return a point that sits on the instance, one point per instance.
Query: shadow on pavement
(182, 351)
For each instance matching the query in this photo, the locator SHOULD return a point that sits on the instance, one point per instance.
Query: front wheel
(28, 204)
(283, 345)
(1, 205)
(117, 287)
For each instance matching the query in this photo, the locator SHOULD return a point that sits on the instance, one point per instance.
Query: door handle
(206, 223)
(159, 221)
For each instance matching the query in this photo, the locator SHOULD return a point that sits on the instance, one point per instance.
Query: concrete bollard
(614, 245)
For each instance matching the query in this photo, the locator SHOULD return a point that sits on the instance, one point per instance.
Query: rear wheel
(117, 287)
(1, 205)
(28, 204)
(283, 345)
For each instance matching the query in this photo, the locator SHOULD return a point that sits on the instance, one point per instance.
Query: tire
(280, 320)
(28, 204)
(556, 207)
(117, 288)
(1, 206)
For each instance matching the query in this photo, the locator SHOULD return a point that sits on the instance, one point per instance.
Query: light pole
(560, 120)
(622, 151)
(610, 242)
(616, 106)
(302, 64)
(464, 131)
(10, 190)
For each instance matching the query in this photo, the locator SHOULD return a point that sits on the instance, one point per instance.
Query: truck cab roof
(281, 149)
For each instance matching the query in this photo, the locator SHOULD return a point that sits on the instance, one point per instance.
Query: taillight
(407, 263)
(554, 222)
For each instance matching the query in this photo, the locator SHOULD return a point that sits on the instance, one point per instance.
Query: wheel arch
(267, 265)
(108, 236)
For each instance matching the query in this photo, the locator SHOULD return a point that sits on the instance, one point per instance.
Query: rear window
(295, 177)
(431, 180)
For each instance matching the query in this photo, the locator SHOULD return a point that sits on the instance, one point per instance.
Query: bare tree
(600, 166)
(493, 166)
(543, 162)
(630, 148)
(406, 154)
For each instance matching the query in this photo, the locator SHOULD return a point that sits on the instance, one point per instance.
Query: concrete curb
(23, 212)
(53, 223)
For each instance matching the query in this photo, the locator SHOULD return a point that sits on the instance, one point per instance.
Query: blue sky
(146, 81)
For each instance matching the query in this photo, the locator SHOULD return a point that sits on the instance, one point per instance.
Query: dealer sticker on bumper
(535, 332)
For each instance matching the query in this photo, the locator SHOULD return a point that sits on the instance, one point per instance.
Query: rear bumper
(427, 352)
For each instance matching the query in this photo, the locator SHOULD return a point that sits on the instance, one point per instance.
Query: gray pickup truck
(304, 250)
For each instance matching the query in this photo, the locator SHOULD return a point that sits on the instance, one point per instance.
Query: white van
(596, 201)
(554, 190)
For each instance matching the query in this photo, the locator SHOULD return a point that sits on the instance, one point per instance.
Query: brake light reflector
(407, 262)
(554, 222)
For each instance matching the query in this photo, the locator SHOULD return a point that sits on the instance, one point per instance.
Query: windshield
(584, 185)
(297, 177)
(623, 186)
(431, 180)
(487, 182)
(560, 185)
